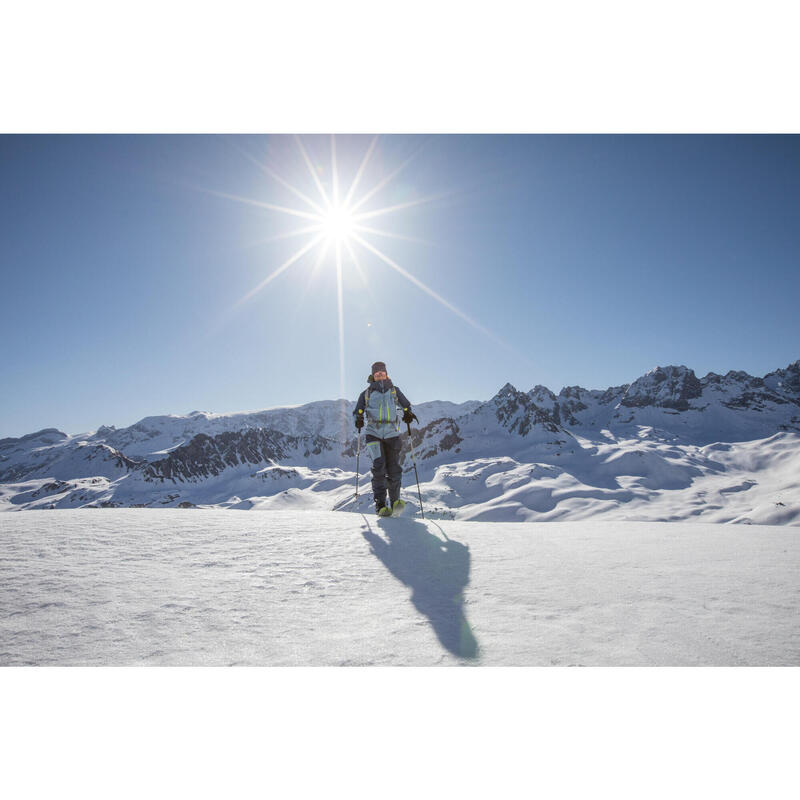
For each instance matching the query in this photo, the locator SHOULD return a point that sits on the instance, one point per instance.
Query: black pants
(387, 471)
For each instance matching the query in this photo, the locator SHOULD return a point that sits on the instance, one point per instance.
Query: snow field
(210, 587)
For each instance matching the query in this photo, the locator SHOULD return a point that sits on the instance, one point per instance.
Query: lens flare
(337, 225)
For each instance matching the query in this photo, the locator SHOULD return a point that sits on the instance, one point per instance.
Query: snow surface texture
(169, 587)
(667, 447)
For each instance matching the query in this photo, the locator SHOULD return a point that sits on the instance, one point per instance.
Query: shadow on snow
(436, 571)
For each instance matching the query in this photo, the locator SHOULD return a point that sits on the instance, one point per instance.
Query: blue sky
(589, 260)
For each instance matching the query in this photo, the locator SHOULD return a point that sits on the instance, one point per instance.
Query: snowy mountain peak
(664, 387)
(45, 436)
(786, 379)
(518, 413)
(508, 390)
(542, 395)
(572, 392)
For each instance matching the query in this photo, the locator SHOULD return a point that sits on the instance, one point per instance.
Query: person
(377, 407)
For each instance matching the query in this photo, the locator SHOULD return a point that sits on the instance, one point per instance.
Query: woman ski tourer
(377, 408)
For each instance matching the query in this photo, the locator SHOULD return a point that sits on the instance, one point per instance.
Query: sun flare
(338, 224)
(335, 223)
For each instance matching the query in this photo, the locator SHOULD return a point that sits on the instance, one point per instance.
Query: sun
(334, 226)
(338, 224)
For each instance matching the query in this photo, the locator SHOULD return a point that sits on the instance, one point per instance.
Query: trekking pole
(416, 474)
(358, 456)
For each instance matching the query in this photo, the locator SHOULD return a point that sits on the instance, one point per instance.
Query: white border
(578, 66)
(400, 732)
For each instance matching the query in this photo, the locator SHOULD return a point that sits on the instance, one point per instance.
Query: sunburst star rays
(312, 171)
(269, 206)
(274, 175)
(446, 303)
(337, 223)
(282, 268)
(360, 172)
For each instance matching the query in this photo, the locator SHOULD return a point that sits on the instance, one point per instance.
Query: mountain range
(668, 446)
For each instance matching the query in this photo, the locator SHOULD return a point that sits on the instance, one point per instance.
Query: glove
(359, 422)
(409, 416)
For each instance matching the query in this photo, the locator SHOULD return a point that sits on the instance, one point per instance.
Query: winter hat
(378, 366)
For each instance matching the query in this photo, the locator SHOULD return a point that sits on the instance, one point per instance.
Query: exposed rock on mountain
(439, 437)
(518, 413)
(667, 387)
(208, 456)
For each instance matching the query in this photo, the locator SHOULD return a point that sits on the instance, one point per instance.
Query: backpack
(394, 397)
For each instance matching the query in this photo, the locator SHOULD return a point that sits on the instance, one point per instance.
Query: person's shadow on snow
(437, 572)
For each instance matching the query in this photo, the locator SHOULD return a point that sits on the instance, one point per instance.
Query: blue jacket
(381, 408)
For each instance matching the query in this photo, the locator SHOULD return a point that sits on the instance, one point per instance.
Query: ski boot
(382, 509)
(398, 507)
